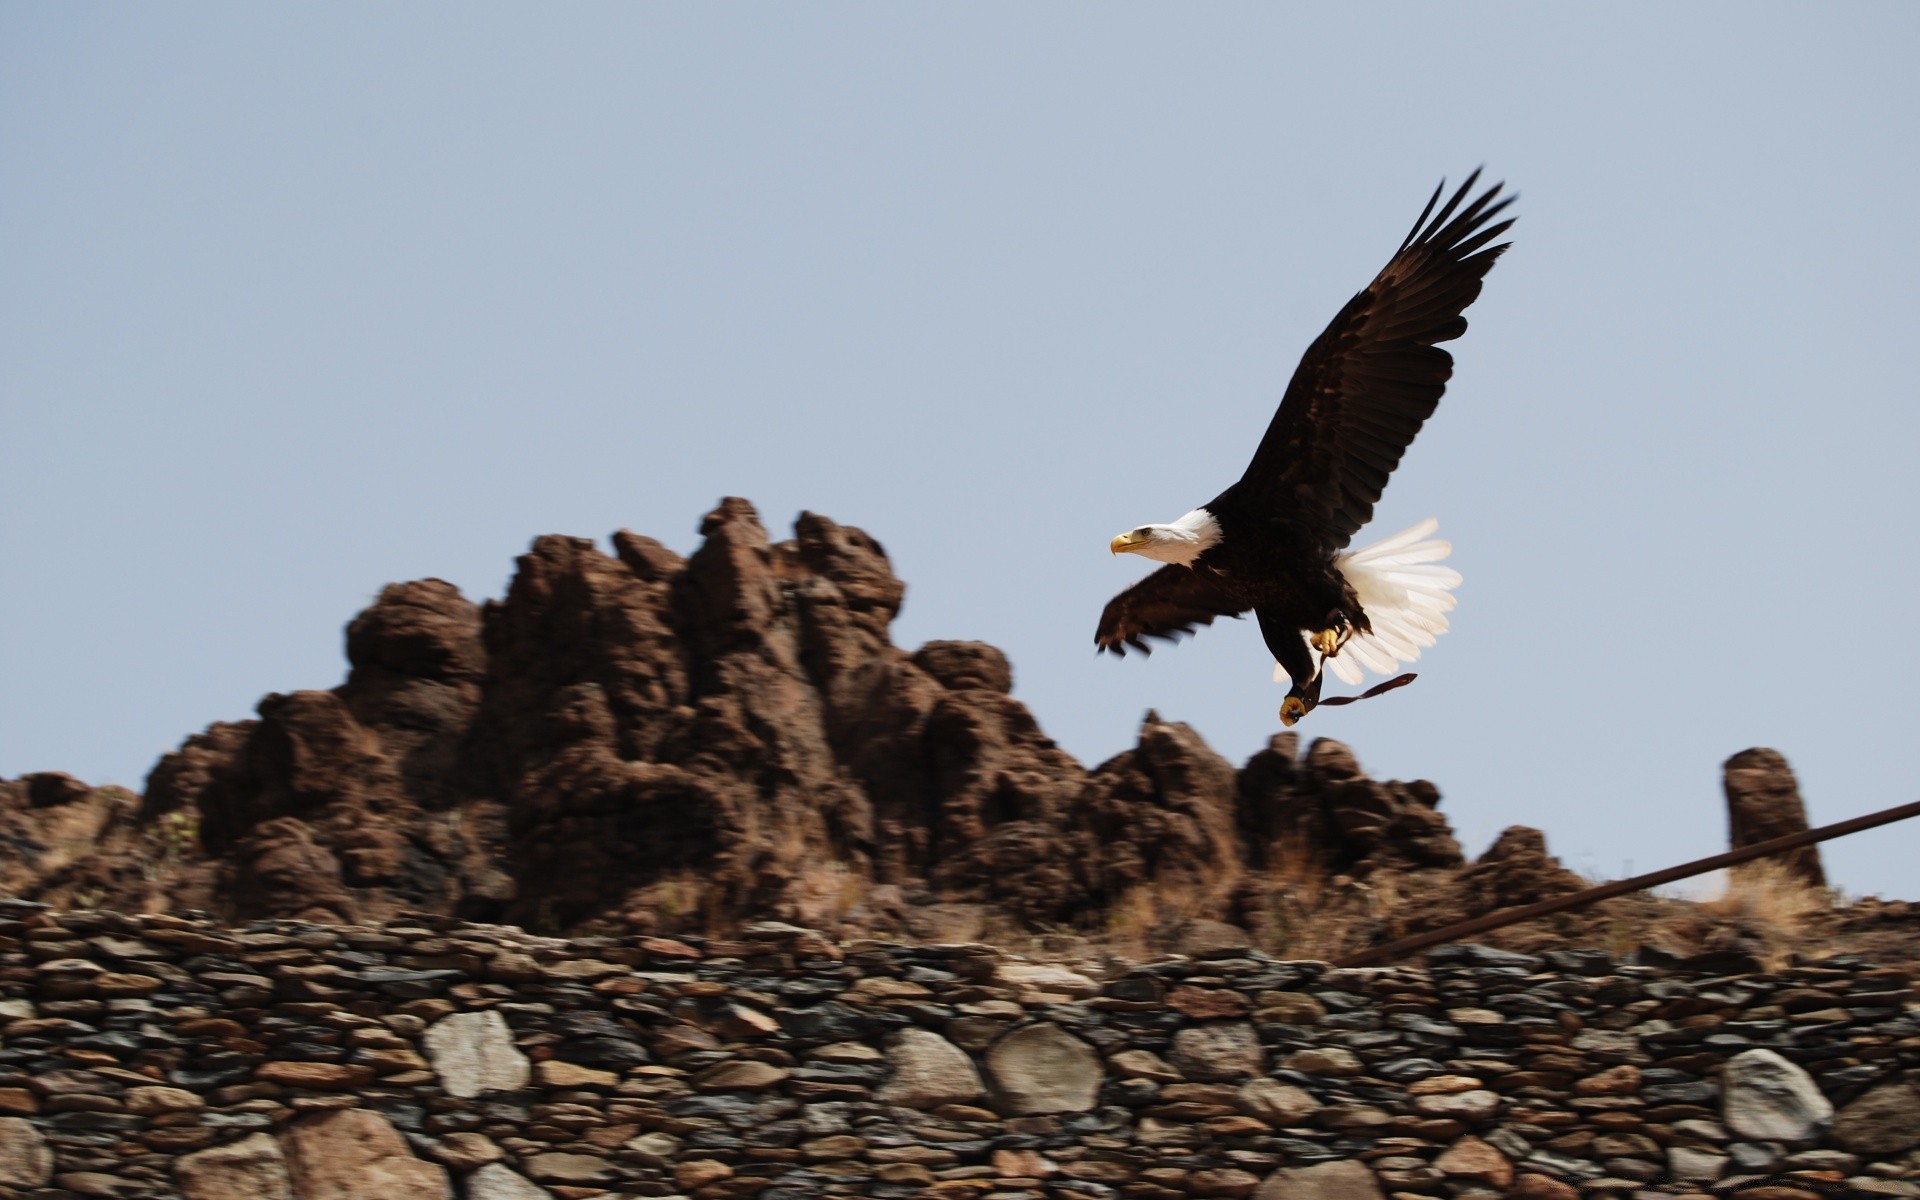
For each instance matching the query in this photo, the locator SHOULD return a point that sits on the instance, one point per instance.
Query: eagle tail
(1406, 594)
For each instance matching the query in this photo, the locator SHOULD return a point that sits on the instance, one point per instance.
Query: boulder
(1882, 1123)
(356, 1154)
(1765, 1097)
(1219, 1052)
(473, 1052)
(1763, 802)
(25, 1160)
(249, 1169)
(926, 1071)
(1042, 1068)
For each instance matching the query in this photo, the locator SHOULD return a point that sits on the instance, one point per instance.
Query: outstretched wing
(1166, 604)
(1368, 383)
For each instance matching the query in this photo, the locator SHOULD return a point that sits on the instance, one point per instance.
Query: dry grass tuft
(1766, 911)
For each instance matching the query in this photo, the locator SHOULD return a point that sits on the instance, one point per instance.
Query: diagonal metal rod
(1639, 883)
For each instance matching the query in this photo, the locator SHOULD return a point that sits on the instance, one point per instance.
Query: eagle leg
(1336, 635)
(1301, 699)
(1283, 639)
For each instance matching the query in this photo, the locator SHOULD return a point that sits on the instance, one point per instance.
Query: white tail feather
(1405, 597)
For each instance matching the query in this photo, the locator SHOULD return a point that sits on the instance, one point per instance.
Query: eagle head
(1179, 541)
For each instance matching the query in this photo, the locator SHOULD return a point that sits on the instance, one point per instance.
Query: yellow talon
(1328, 642)
(1291, 710)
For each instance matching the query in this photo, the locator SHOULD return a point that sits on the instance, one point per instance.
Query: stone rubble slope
(427, 1058)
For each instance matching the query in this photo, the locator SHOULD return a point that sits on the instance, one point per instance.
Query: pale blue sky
(296, 300)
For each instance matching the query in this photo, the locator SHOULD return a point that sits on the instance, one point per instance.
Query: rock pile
(425, 1058)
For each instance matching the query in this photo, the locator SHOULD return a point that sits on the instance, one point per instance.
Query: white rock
(1041, 977)
(496, 1182)
(1765, 1097)
(928, 1071)
(655, 1149)
(473, 1052)
(1690, 1164)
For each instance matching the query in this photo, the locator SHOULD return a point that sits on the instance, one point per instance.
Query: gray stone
(928, 1071)
(1884, 1121)
(655, 1149)
(1609, 1046)
(473, 1052)
(1756, 1158)
(1322, 1181)
(1509, 1143)
(1278, 1104)
(497, 1182)
(1219, 1052)
(1690, 1164)
(25, 1160)
(249, 1169)
(1044, 1069)
(1767, 1098)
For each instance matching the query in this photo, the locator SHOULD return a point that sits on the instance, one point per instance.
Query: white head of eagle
(1180, 542)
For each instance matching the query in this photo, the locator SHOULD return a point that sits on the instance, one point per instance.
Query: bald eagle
(1276, 541)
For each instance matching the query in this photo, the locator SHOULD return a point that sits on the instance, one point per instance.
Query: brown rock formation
(638, 741)
(1763, 801)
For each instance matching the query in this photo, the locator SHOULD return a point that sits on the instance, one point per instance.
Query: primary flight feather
(1275, 542)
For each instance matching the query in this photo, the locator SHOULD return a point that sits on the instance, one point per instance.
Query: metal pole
(1639, 883)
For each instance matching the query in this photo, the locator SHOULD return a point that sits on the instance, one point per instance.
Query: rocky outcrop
(1763, 802)
(632, 741)
(640, 742)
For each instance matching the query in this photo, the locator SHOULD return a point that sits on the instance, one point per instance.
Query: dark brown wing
(1368, 382)
(1166, 604)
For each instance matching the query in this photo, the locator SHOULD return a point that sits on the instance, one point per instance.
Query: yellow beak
(1124, 543)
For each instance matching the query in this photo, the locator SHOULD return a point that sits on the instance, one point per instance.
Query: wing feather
(1373, 377)
(1168, 604)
